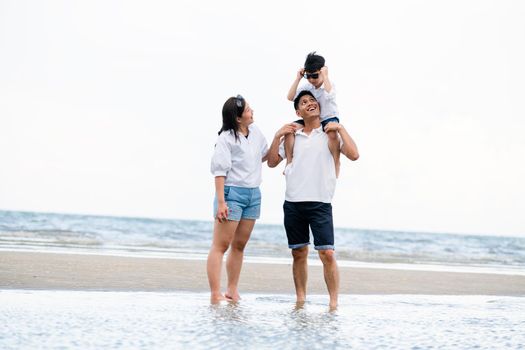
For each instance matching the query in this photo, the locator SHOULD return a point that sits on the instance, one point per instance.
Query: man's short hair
(313, 62)
(301, 94)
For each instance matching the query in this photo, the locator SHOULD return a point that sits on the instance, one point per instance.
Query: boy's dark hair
(313, 62)
(301, 94)
(232, 109)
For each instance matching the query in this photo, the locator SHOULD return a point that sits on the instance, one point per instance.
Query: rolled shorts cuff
(297, 246)
(324, 247)
(244, 217)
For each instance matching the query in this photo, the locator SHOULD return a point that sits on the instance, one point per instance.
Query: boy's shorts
(323, 122)
(243, 203)
(299, 217)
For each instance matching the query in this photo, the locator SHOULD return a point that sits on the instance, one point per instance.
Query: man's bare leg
(300, 272)
(235, 257)
(331, 275)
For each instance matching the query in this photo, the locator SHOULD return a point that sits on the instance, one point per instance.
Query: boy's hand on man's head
(324, 71)
(300, 73)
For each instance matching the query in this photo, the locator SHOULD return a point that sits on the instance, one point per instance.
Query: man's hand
(333, 126)
(273, 153)
(286, 129)
(349, 148)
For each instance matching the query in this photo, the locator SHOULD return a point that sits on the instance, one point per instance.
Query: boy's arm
(349, 148)
(293, 88)
(326, 81)
(273, 153)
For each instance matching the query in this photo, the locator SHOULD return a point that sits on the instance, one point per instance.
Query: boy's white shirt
(327, 101)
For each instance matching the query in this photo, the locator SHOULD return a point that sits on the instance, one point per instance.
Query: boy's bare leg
(289, 141)
(333, 145)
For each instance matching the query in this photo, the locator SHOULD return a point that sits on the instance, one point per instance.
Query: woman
(236, 164)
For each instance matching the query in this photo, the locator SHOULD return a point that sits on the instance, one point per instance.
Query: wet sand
(35, 270)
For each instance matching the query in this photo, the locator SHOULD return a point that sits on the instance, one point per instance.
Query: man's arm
(349, 148)
(273, 153)
(295, 84)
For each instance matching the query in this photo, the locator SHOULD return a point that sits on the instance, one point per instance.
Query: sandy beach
(28, 270)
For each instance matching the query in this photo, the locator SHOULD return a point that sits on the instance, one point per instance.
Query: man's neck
(311, 124)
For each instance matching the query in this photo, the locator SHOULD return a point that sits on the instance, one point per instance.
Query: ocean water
(50, 319)
(192, 239)
(122, 320)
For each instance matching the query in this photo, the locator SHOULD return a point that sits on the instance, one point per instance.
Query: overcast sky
(113, 107)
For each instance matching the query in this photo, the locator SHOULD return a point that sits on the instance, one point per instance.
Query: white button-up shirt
(240, 161)
(327, 102)
(311, 175)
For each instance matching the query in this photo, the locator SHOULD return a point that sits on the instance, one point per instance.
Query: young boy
(316, 73)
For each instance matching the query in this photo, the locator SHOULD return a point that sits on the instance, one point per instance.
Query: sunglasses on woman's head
(311, 75)
(238, 100)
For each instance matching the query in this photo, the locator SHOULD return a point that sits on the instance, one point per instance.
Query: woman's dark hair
(232, 109)
(313, 62)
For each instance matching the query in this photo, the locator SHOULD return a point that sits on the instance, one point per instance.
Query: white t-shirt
(240, 161)
(311, 175)
(326, 100)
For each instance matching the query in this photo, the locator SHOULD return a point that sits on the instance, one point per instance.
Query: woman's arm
(222, 207)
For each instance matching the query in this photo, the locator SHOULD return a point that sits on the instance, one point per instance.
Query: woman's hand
(222, 211)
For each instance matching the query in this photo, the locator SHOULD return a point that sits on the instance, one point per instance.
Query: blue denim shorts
(243, 203)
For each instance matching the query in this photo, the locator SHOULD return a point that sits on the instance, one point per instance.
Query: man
(310, 186)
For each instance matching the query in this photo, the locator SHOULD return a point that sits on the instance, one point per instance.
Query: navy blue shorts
(300, 217)
(323, 123)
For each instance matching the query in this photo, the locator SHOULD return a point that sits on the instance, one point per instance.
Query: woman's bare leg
(236, 255)
(223, 234)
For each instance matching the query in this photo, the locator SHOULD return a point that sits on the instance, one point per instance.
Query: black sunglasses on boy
(311, 75)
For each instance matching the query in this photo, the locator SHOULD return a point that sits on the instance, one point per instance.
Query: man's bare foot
(217, 298)
(333, 306)
(299, 305)
(286, 167)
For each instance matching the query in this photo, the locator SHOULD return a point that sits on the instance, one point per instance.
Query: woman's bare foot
(235, 297)
(216, 298)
